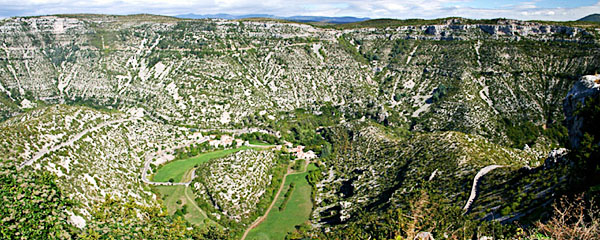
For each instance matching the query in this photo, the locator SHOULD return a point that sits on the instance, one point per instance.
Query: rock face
(587, 86)
(556, 156)
(218, 73)
(454, 84)
(505, 28)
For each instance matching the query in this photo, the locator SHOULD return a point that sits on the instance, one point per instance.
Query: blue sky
(517, 9)
(511, 3)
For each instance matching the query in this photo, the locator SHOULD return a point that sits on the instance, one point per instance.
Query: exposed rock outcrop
(556, 156)
(587, 86)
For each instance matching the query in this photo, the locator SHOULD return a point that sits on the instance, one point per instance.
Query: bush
(521, 133)
(298, 164)
(573, 219)
(287, 196)
(439, 92)
(32, 205)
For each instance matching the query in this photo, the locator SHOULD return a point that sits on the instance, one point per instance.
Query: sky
(557, 10)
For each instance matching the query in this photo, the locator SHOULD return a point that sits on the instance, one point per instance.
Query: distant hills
(292, 18)
(591, 18)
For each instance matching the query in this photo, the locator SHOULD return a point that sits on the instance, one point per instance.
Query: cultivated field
(297, 210)
(180, 168)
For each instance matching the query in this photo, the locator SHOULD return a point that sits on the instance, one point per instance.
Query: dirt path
(263, 217)
(78, 136)
(189, 175)
(193, 202)
(479, 175)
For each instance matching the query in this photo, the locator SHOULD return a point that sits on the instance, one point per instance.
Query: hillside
(591, 18)
(397, 116)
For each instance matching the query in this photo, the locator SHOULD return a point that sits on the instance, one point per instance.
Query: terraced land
(297, 210)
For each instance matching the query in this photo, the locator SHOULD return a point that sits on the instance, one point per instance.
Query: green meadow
(180, 168)
(297, 211)
(175, 197)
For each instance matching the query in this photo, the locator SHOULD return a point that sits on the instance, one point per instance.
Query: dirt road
(479, 175)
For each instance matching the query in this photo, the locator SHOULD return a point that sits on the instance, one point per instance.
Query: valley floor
(276, 223)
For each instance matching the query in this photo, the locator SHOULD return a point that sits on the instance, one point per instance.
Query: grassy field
(297, 211)
(178, 169)
(172, 194)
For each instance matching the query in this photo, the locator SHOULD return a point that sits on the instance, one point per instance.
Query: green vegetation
(261, 144)
(193, 150)
(35, 207)
(522, 133)
(109, 104)
(351, 49)
(102, 39)
(527, 133)
(439, 92)
(259, 138)
(558, 133)
(177, 169)
(297, 211)
(287, 195)
(299, 164)
(300, 128)
(400, 48)
(237, 228)
(595, 18)
(32, 205)
(386, 22)
(519, 191)
(116, 219)
(180, 201)
(587, 156)
(425, 210)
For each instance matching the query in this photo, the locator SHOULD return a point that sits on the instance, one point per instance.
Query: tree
(32, 205)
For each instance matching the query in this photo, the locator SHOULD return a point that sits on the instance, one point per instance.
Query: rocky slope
(216, 73)
(421, 105)
(373, 169)
(106, 160)
(235, 184)
(588, 86)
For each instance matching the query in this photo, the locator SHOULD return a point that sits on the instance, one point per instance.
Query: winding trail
(78, 136)
(479, 175)
(263, 217)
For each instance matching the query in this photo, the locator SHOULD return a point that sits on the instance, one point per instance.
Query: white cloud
(360, 8)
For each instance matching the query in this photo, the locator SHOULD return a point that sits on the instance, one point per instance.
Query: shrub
(573, 219)
(32, 205)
